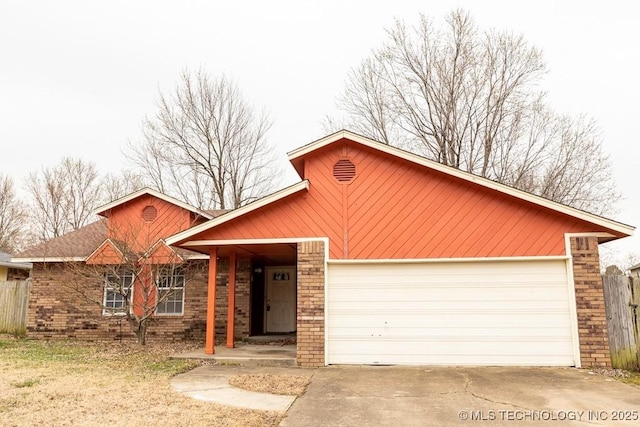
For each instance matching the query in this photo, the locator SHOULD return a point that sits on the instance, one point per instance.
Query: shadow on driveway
(442, 396)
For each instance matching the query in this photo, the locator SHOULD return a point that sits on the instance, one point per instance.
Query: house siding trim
(445, 260)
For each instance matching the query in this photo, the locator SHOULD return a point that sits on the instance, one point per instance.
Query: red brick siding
(17, 274)
(592, 319)
(310, 314)
(57, 311)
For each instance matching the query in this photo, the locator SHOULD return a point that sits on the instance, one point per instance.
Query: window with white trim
(117, 289)
(170, 291)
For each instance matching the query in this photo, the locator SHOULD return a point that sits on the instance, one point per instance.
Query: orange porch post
(209, 347)
(231, 305)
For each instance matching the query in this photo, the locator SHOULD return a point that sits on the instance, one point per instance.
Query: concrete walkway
(211, 384)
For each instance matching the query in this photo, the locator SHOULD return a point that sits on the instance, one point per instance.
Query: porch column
(211, 302)
(231, 304)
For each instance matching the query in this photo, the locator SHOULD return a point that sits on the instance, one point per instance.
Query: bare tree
(63, 197)
(132, 280)
(471, 100)
(12, 217)
(117, 186)
(206, 145)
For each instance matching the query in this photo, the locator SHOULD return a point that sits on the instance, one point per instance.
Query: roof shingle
(79, 243)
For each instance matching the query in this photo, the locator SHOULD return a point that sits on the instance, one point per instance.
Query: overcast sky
(78, 77)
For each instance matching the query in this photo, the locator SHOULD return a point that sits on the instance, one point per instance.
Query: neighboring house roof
(299, 156)
(104, 210)
(5, 261)
(635, 267)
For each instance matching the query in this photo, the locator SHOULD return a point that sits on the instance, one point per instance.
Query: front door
(281, 299)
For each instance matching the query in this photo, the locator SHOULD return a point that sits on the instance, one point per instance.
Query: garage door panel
(471, 293)
(392, 306)
(460, 360)
(448, 353)
(443, 320)
(459, 307)
(514, 312)
(444, 346)
(451, 327)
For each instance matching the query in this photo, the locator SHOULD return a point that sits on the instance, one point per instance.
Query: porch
(261, 288)
(246, 354)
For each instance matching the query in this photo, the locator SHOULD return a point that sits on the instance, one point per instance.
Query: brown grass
(290, 385)
(77, 384)
(634, 378)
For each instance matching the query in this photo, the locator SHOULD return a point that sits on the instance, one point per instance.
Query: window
(170, 291)
(117, 288)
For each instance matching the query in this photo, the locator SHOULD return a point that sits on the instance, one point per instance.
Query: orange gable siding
(162, 254)
(396, 209)
(106, 254)
(127, 224)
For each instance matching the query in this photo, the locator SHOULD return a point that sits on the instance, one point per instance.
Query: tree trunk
(141, 332)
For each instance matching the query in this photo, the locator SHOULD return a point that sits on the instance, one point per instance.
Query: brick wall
(58, 310)
(243, 285)
(592, 319)
(310, 315)
(18, 274)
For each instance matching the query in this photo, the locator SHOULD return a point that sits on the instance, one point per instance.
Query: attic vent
(149, 213)
(344, 170)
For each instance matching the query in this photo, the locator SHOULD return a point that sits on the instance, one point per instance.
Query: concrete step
(247, 355)
(279, 339)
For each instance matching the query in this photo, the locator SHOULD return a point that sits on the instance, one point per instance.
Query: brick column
(243, 301)
(310, 337)
(592, 318)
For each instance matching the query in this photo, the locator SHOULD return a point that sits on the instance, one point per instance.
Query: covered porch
(265, 287)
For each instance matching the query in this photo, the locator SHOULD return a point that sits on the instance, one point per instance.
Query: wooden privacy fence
(14, 300)
(622, 297)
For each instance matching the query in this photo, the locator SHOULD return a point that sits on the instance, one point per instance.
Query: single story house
(377, 256)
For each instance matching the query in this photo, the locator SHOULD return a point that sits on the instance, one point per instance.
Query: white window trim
(110, 312)
(183, 287)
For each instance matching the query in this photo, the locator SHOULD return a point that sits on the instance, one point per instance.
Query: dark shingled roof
(79, 243)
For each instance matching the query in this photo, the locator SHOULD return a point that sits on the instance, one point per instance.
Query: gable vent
(344, 170)
(149, 214)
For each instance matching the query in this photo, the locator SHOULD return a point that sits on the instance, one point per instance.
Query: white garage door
(471, 313)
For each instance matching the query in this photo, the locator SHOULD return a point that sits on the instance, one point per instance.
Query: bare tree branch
(13, 216)
(206, 145)
(63, 197)
(470, 99)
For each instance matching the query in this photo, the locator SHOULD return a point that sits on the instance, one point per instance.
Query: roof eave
(50, 259)
(618, 227)
(178, 238)
(102, 209)
(16, 265)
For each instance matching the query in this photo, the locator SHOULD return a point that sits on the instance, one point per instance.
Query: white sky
(78, 77)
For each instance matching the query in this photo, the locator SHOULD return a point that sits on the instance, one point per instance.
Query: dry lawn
(291, 385)
(78, 384)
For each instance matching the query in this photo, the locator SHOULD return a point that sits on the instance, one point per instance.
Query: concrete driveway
(396, 396)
